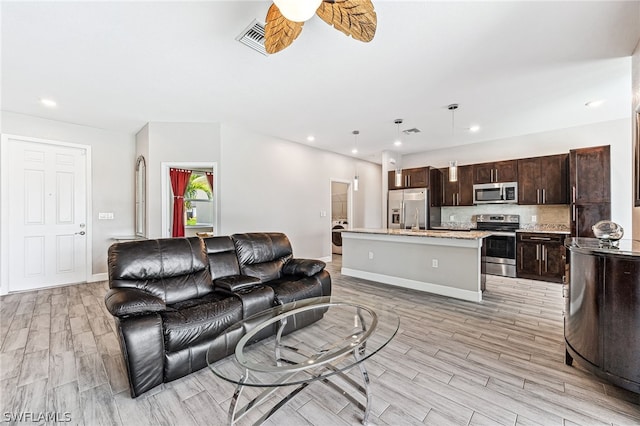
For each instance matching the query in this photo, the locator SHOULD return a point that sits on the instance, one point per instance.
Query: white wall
(173, 142)
(113, 164)
(269, 184)
(616, 133)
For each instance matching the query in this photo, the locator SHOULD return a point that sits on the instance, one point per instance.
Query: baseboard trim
(98, 277)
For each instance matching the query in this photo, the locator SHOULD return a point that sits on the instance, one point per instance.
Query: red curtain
(179, 182)
(210, 180)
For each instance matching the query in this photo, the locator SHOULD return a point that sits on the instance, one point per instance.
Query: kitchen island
(447, 263)
(602, 309)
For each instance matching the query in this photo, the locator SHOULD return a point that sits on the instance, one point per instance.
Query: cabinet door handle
(573, 194)
(496, 175)
(573, 213)
(453, 199)
(491, 176)
(544, 196)
(537, 251)
(521, 256)
(537, 196)
(540, 238)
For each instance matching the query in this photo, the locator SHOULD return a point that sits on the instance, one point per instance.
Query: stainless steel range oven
(499, 253)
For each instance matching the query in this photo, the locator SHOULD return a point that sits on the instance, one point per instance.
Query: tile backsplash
(531, 217)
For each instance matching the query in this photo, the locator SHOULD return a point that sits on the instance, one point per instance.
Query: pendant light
(453, 165)
(355, 150)
(398, 142)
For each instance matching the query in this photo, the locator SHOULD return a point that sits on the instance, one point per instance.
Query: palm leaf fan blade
(355, 18)
(279, 32)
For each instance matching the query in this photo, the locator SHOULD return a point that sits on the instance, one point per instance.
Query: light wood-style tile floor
(452, 363)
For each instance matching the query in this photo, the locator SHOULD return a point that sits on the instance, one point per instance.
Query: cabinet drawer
(537, 237)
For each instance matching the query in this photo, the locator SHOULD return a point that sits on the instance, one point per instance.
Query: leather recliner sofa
(172, 298)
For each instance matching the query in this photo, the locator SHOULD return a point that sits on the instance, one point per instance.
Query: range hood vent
(411, 131)
(253, 37)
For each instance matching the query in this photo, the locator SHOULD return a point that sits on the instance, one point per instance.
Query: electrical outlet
(434, 263)
(534, 218)
(370, 255)
(452, 218)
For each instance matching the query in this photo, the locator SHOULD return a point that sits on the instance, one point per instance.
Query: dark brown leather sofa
(172, 298)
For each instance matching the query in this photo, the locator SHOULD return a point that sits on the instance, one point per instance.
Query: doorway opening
(198, 203)
(341, 212)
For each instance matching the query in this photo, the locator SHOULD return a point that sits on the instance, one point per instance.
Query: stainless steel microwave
(495, 193)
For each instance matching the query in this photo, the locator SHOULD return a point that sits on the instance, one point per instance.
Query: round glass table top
(270, 352)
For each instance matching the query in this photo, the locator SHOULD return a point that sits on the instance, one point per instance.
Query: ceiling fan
(285, 18)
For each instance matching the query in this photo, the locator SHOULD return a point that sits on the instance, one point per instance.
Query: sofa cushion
(222, 257)
(306, 267)
(291, 288)
(197, 320)
(262, 255)
(171, 269)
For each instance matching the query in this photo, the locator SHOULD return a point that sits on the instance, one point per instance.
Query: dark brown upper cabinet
(499, 171)
(459, 193)
(590, 175)
(543, 180)
(417, 177)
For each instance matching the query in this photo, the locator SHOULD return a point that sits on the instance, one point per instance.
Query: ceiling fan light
(298, 10)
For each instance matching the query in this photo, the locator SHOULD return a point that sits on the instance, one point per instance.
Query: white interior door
(47, 215)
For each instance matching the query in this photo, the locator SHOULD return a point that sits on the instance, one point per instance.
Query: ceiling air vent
(253, 36)
(410, 131)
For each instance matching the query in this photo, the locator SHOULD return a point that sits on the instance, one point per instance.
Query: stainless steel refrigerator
(411, 209)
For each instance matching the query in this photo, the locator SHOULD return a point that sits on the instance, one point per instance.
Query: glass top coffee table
(268, 355)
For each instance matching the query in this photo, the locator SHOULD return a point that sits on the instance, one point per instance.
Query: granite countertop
(432, 233)
(626, 247)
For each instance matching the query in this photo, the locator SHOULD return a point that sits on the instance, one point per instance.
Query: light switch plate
(105, 216)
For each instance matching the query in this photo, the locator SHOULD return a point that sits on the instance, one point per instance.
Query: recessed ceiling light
(474, 128)
(310, 138)
(594, 104)
(48, 103)
(354, 151)
(397, 143)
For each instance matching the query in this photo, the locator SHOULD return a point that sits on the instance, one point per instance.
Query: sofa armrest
(130, 301)
(306, 267)
(233, 283)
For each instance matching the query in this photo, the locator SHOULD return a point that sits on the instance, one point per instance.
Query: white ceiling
(514, 67)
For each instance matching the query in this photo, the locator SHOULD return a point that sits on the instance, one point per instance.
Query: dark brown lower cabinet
(540, 256)
(602, 315)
